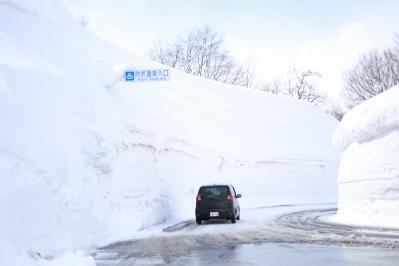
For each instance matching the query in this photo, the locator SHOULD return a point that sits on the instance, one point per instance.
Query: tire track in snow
(308, 226)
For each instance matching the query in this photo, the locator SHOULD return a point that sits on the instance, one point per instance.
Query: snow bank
(229, 120)
(32, 259)
(369, 170)
(367, 121)
(68, 259)
(53, 10)
(87, 159)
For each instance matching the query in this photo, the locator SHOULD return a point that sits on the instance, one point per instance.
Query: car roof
(213, 185)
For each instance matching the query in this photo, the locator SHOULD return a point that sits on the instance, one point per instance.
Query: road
(271, 235)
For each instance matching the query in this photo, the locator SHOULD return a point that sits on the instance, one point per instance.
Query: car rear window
(214, 192)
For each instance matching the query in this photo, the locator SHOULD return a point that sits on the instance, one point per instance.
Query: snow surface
(49, 9)
(87, 159)
(31, 259)
(369, 170)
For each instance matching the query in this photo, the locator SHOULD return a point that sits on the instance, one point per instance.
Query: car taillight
(198, 198)
(230, 197)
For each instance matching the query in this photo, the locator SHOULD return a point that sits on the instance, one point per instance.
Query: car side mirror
(238, 196)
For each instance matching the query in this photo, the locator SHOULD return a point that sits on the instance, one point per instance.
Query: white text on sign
(147, 75)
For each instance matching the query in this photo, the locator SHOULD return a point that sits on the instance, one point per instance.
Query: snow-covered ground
(87, 159)
(369, 170)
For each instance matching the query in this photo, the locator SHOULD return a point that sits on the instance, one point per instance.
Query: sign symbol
(129, 76)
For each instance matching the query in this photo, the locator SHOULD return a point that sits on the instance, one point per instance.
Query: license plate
(214, 214)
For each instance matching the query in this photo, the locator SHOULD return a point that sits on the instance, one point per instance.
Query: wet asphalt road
(274, 235)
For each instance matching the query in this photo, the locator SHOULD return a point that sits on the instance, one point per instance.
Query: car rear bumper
(205, 214)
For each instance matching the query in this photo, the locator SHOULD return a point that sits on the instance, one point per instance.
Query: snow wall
(368, 176)
(87, 159)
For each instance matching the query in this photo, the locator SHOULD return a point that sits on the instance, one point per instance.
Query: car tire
(238, 217)
(198, 220)
(233, 220)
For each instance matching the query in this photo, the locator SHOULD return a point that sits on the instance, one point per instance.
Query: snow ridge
(369, 120)
(53, 10)
(369, 173)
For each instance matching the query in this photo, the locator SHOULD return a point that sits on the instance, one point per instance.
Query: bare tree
(167, 54)
(374, 73)
(302, 84)
(84, 21)
(274, 87)
(247, 73)
(396, 48)
(299, 84)
(334, 109)
(201, 52)
(396, 42)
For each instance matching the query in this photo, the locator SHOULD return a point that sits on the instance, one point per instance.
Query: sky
(325, 36)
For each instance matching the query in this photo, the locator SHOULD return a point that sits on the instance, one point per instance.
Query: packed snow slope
(87, 158)
(369, 170)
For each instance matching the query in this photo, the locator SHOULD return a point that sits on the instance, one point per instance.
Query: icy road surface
(272, 235)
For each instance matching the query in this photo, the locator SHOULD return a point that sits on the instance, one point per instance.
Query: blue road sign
(148, 75)
(129, 76)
